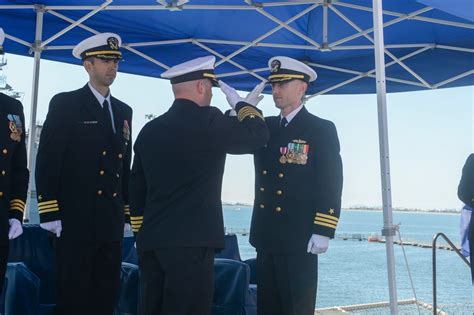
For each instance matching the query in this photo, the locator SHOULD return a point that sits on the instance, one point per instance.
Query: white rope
(397, 227)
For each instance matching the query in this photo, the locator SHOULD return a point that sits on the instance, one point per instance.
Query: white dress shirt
(100, 98)
(291, 115)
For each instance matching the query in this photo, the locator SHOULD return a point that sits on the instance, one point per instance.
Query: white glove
(230, 94)
(127, 227)
(15, 229)
(318, 244)
(253, 98)
(54, 227)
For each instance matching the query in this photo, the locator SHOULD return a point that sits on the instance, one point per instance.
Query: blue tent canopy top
(425, 46)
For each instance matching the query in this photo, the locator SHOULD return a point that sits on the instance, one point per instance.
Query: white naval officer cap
(2, 38)
(285, 69)
(103, 46)
(195, 69)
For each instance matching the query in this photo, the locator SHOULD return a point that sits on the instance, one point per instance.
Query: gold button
(279, 192)
(278, 209)
(120, 155)
(3, 173)
(262, 206)
(101, 172)
(264, 172)
(99, 192)
(104, 152)
(114, 195)
(262, 189)
(118, 175)
(280, 175)
(1, 193)
(5, 151)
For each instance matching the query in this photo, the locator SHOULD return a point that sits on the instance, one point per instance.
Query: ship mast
(6, 88)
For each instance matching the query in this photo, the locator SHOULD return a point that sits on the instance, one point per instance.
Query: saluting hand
(254, 97)
(231, 95)
(15, 229)
(318, 244)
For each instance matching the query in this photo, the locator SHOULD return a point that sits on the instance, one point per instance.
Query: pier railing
(455, 249)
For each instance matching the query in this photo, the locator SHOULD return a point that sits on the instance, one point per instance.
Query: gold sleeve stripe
(326, 216)
(332, 226)
(136, 217)
(326, 220)
(45, 203)
(48, 210)
(48, 207)
(136, 222)
(248, 111)
(48, 204)
(17, 208)
(17, 201)
(135, 230)
(127, 212)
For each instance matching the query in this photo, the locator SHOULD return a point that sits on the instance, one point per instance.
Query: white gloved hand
(318, 244)
(230, 94)
(254, 97)
(15, 229)
(54, 227)
(127, 227)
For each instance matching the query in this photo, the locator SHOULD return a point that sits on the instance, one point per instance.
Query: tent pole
(31, 198)
(389, 229)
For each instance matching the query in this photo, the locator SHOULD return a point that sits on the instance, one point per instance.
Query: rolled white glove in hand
(54, 227)
(127, 227)
(15, 229)
(318, 244)
(254, 97)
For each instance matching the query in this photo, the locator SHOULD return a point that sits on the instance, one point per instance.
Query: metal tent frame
(377, 44)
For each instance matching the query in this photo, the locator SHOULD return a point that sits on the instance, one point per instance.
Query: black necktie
(106, 112)
(283, 122)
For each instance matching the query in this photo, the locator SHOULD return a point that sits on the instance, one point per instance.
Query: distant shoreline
(364, 208)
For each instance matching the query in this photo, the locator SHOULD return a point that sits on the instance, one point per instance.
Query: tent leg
(388, 229)
(31, 198)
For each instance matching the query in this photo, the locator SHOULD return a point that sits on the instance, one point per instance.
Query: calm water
(354, 272)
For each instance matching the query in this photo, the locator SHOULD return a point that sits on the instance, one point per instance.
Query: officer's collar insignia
(113, 43)
(126, 130)
(296, 152)
(331, 211)
(275, 66)
(16, 127)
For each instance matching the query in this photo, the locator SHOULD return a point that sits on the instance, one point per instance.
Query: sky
(430, 133)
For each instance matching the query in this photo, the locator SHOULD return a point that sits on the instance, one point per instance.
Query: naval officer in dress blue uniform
(466, 195)
(298, 186)
(14, 174)
(82, 171)
(175, 189)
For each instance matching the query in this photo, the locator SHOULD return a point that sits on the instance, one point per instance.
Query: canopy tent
(429, 44)
(426, 47)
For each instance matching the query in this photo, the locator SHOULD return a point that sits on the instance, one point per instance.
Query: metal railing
(435, 308)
